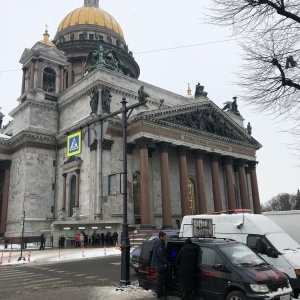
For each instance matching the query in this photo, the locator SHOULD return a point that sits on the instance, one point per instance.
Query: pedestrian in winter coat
(159, 263)
(62, 241)
(86, 239)
(77, 240)
(115, 237)
(102, 237)
(42, 246)
(187, 260)
(81, 238)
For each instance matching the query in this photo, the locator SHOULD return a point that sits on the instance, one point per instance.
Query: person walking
(42, 246)
(62, 241)
(81, 238)
(102, 237)
(77, 240)
(159, 264)
(187, 261)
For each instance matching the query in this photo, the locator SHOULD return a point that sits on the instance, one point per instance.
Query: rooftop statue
(102, 58)
(249, 128)
(142, 95)
(231, 106)
(199, 91)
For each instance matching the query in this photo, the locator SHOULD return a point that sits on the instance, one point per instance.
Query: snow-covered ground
(133, 292)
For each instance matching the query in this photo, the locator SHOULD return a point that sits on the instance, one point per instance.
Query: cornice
(50, 105)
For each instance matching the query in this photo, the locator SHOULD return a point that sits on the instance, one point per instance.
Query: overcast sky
(173, 48)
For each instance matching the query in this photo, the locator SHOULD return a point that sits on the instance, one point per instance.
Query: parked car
(225, 270)
(135, 253)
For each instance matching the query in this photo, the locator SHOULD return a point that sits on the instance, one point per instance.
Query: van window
(209, 257)
(147, 251)
(258, 243)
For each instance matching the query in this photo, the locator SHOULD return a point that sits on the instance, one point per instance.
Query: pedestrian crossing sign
(74, 144)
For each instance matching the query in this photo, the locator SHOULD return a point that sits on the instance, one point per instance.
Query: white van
(258, 232)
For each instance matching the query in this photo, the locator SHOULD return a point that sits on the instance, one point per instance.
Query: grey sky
(156, 25)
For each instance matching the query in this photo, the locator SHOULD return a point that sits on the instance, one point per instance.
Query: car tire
(236, 295)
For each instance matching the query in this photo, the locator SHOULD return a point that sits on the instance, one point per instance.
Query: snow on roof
(4, 137)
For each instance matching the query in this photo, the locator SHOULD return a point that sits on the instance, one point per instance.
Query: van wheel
(236, 295)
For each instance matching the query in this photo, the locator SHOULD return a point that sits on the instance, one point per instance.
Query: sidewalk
(10, 257)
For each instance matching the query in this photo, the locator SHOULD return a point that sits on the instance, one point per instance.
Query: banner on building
(74, 144)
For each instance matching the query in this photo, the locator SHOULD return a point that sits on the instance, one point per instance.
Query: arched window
(49, 80)
(136, 193)
(72, 195)
(192, 202)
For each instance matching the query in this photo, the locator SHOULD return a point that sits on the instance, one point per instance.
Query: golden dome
(46, 41)
(89, 15)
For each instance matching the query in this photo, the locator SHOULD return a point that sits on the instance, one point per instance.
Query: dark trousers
(162, 277)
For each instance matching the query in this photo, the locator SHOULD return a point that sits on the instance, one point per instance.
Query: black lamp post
(125, 244)
(23, 225)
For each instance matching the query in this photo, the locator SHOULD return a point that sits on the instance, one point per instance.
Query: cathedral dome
(84, 30)
(89, 15)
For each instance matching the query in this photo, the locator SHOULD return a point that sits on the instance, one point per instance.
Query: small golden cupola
(46, 40)
(189, 92)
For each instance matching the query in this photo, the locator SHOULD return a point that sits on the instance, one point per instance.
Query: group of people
(82, 239)
(186, 259)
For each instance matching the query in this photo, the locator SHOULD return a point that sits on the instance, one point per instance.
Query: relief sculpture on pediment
(205, 120)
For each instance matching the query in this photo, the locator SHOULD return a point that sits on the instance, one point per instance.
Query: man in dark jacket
(42, 246)
(159, 263)
(187, 259)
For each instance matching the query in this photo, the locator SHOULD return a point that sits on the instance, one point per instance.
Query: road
(64, 280)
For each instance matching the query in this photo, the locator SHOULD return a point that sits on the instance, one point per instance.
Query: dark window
(118, 43)
(49, 80)
(109, 39)
(72, 195)
(91, 36)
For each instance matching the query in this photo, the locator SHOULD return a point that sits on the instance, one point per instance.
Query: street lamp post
(23, 225)
(125, 244)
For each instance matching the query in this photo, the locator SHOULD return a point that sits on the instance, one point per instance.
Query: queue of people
(97, 239)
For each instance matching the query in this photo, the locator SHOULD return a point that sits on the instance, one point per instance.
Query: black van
(226, 270)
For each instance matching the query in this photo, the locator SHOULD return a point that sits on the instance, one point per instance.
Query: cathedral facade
(62, 155)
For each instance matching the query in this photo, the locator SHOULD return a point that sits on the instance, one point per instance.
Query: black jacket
(159, 258)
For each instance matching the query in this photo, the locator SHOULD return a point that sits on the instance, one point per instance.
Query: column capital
(240, 162)
(214, 156)
(40, 59)
(252, 164)
(227, 160)
(64, 175)
(24, 69)
(143, 142)
(33, 60)
(182, 150)
(200, 153)
(164, 146)
(77, 171)
(107, 144)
